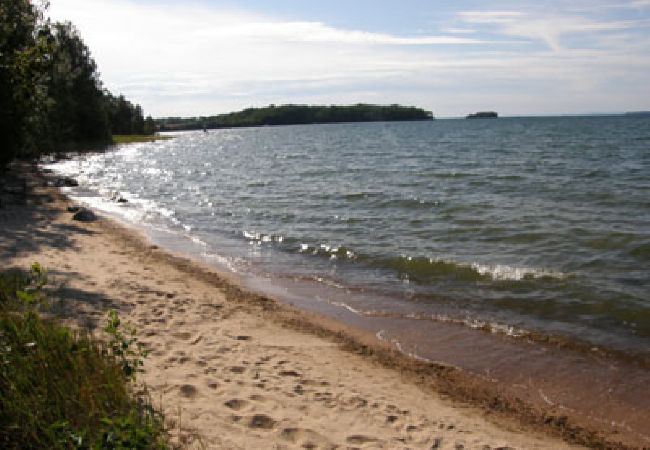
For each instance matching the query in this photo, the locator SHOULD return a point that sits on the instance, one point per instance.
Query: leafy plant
(62, 388)
(25, 289)
(123, 346)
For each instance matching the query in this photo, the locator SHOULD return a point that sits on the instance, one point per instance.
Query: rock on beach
(84, 215)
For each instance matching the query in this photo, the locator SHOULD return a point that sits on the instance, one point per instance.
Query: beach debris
(84, 215)
(73, 209)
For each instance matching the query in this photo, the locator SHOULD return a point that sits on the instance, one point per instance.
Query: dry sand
(234, 370)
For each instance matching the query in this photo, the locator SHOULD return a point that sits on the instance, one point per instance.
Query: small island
(483, 115)
(638, 113)
(296, 115)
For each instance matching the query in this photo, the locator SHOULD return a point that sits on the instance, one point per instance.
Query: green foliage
(123, 347)
(298, 114)
(21, 66)
(149, 127)
(51, 96)
(75, 110)
(125, 117)
(20, 290)
(61, 388)
(131, 138)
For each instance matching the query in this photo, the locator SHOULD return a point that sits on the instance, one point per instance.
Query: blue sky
(452, 57)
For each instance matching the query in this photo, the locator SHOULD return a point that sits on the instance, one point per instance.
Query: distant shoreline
(273, 115)
(632, 115)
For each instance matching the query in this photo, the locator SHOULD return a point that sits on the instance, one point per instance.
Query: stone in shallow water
(66, 182)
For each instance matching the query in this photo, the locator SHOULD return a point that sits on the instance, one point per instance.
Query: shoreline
(131, 246)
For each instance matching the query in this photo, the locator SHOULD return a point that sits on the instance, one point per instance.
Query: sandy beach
(233, 369)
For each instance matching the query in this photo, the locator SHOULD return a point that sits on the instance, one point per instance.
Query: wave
(504, 272)
(641, 251)
(330, 251)
(491, 327)
(417, 269)
(427, 270)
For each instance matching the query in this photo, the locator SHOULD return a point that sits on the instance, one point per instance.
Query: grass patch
(132, 138)
(61, 388)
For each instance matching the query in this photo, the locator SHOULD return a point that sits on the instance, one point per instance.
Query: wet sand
(232, 369)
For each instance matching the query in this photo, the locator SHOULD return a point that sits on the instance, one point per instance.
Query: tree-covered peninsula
(295, 115)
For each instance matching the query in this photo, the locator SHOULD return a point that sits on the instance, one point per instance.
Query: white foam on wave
(504, 272)
(474, 323)
(259, 238)
(349, 308)
(381, 335)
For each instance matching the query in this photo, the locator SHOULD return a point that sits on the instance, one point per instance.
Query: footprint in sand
(184, 336)
(306, 438)
(236, 404)
(261, 421)
(262, 361)
(359, 439)
(289, 373)
(188, 390)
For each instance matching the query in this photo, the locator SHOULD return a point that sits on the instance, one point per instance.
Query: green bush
(61, 388)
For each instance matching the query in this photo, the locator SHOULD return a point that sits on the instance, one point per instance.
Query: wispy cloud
(547, 28)
(191, 58)
(492, 17)
(321, 33)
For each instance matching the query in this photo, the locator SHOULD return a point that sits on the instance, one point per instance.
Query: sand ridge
(225, 371)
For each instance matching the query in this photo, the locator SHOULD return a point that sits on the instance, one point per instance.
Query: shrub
(61, 388)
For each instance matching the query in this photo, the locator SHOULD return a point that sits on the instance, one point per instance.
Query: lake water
(514, 225)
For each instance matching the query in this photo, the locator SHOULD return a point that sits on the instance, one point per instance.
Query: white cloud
(318, 32)
(490, 16)
(454, 30)
(186, 60)
(548, 28)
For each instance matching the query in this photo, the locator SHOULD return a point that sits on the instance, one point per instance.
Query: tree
(137, 120)
(51, 95)
(149, 125)
(76, 112)
(22, 55)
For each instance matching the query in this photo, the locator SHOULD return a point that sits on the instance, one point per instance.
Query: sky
(523, 57)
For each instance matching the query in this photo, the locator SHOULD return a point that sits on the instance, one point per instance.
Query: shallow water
(515, 225)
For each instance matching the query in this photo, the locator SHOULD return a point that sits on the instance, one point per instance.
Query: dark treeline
(51, 96)
(297, 114)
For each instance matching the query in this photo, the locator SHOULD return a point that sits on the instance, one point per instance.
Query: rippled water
(538, 224)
